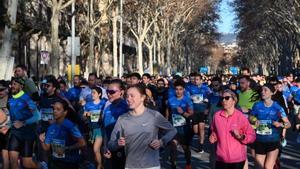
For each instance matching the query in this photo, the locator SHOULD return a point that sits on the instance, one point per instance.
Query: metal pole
(73, 61)
(121, 40)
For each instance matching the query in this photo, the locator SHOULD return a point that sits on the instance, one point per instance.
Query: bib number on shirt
(95, 115)
(47, 114)
(178, 120)
(58, 148)
(197, 98)
(264, 127)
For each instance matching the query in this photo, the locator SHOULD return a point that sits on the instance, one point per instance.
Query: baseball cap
(19, 80)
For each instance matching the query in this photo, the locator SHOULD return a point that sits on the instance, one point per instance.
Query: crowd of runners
(111, 123)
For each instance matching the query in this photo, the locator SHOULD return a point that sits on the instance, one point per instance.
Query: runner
(46, 109)
(93, 111)
(74, 92)
(115, 108)
(199, 95)
(214, 105)
(231, 130)
(268, 113)
(180, 108)
(24, 116)
(64, 140)
(4, 123)
(137, 131)
(162, 96)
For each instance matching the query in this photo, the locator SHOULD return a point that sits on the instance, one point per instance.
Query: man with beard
(29, 86)
(162, 97)
(24, 116)
(46, 108)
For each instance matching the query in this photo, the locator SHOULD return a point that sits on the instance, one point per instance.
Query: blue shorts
(95, 133)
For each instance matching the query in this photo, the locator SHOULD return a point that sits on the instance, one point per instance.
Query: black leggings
(222, 165)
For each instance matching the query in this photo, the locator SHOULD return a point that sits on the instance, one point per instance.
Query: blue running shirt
(199, 96)
(96, 112)
(266, 131)
(60, 136)
(185, 103)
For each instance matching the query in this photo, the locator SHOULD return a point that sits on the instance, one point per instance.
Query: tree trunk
(91, 59)
(158, 53)
(115, 44)
(5, 53)
(140, 57)
(150, 59)
(53, 67)
(168, 56)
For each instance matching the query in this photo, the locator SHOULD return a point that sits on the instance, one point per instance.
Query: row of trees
(167, 35)
(269, 34)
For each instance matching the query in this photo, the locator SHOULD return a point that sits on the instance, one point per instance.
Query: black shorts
(184, 135)
(56, 164)
(4, 141)
(24, 147)
(222, 165)
(198, 118)
(265, 147)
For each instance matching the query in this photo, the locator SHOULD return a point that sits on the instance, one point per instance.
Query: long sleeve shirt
(139, 132)
(230, 149)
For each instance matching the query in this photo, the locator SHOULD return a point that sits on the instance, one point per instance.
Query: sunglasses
(2, 89)
(111, 92)
(226, 97)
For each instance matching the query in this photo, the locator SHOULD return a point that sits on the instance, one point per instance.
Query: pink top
(229, 149)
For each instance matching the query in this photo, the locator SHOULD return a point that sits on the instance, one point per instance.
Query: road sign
(234, 70)
(203, 70)
(45, 57)
(76, 46)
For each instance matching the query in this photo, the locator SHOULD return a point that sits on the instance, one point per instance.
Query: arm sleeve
(282, 112)
(48, 137)
(31, 86)
(113, 142)
(248, 131)
(36, 114)
(163, 123)
(75, 132)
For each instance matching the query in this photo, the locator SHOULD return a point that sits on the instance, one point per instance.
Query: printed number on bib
(197, 98)
(178, 120)
(47, 114)
(95, 115)
(58, 148)
(264, 128)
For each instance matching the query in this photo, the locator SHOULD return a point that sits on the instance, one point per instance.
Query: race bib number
(47, 114)
(264, 128)
(58, 148)
(95, 115)
(178, 120)
(197, 98)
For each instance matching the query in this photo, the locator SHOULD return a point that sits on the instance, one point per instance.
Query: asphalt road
(290, 158)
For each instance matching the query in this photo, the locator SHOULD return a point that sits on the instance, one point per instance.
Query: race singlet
(58, 148)
(178, 120)
(47, 114)
(265, 127)
(95, 115)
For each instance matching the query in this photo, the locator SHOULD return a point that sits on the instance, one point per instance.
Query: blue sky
(226, 24)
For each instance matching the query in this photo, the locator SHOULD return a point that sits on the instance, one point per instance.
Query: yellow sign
(77, 71)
